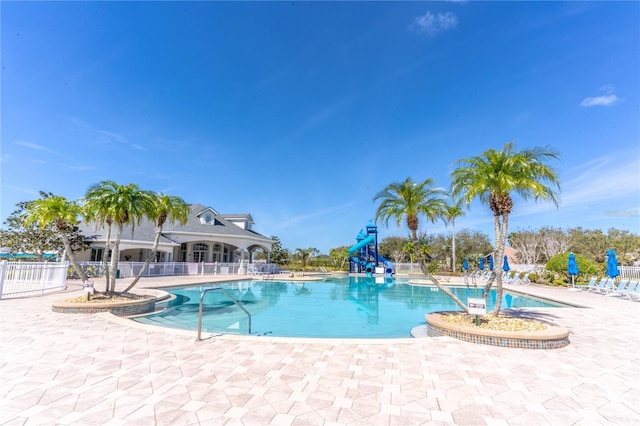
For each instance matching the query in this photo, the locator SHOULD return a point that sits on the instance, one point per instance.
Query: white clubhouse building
(207, 237)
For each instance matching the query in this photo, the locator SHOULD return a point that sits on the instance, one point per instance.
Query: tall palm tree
(64, 214)
(453, 211)
(494, 176)
(110, 203)
(408, 200)
(305, 254)
(166, 208)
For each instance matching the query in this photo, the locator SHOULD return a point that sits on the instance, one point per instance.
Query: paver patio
(64, 369)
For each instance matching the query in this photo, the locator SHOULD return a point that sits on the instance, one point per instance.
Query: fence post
(44, 271)
(4, 265)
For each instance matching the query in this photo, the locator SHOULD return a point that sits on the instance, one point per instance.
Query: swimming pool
(345, 307)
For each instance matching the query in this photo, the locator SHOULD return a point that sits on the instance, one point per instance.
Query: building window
(96, 254)
(182, 256)
(200, 252)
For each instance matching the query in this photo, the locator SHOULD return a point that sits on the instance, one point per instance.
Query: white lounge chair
(619, 289)
(632, 291)
(607, 287)
(590, 285)
(599, 286)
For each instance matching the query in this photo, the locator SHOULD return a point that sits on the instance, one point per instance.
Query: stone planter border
(126, 308)
(553, 337)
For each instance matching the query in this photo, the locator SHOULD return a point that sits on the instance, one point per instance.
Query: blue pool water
(348, 307)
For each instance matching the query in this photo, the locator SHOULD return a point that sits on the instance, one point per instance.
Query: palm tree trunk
(453, 245)
(503, 240)
(425, 271)
(115, 257)
(105, 258)
(147, 261)
(496, 259)
(72, 257)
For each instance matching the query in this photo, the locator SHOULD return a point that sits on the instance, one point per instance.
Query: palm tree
(453, 211)
(110, 203)
(494, 176)
(409, 249)
(64, 214)
(408, 200)
(305, 254)
(167, 208)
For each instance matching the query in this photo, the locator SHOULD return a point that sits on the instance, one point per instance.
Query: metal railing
(230, 297)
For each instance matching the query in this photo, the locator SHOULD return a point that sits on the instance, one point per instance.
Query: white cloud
(607, 99)
(36, 147)
(433, 24)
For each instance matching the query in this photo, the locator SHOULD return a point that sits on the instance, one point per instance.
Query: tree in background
(553, 241)
(305, 255)
(63, 214)
(493, 177)
(339, 256)
(278, 254)
(392, 248)
(409, 200)
(33, 238)
(108, 203)
(165, 208)
(472, 245)
(528, 245)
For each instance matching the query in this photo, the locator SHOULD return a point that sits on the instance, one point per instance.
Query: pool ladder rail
(230, 297)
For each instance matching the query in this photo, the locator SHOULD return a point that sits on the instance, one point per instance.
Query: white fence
(132, 269)
(629, 272)
(18, 279)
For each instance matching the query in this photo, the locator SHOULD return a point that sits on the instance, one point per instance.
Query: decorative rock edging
(552, 338)
(123, 308)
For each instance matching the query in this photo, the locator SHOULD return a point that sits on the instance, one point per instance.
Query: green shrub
(557, 265)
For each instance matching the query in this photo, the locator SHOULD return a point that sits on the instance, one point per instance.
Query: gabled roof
(145, 231)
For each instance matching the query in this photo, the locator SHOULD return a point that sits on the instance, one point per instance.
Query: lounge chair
(607, 286)
(632, 291)
(590, 285)
(618, 290)
(599, 286)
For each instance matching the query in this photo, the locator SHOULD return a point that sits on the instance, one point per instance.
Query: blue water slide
(369, 240)
(388, 265)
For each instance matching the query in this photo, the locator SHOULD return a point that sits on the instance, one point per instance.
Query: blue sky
(300, 112)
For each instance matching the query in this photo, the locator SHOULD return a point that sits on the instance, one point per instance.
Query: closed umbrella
(491, 262)
(612, 264)
(572, 268)
(505, 264)
(465, 265)
(481, 263)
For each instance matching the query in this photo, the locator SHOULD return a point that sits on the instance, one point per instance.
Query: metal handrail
(230, 297)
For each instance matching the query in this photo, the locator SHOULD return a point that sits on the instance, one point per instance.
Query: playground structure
(364, 256)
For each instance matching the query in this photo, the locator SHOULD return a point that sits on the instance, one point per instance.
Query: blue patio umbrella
(572, 267)
(505, 264)
(491, 262)
(481, 263)
(465, 265)
(612, 264)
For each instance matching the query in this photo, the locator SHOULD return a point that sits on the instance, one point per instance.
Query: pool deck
(65, 369)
